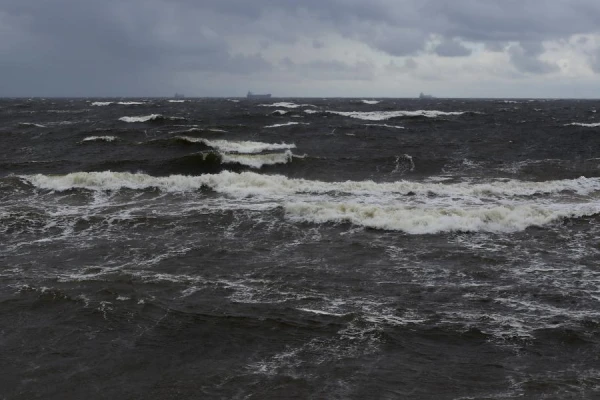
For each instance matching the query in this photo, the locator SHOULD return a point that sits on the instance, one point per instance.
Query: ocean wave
(384, 115)
(257, 160)
(386, 126)
(590, 125)
(249, 183)
(32, 124)
(242, 147)
(176, 101)
(286, 105)
(371, 101)
(286, 124)
(121, 103)
(280, 112)
(130, 103)
(195, 129)
(100, 139)
(418, 221)
(148, 118)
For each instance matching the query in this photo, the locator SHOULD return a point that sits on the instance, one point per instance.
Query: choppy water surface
(302, 248)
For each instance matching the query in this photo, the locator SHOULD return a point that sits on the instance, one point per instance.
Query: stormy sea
(299, 249)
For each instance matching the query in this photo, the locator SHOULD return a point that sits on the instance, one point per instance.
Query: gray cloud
(526, 59)
(452, 48)
(79, 47)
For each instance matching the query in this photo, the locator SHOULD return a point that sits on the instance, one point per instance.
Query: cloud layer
(315, 47)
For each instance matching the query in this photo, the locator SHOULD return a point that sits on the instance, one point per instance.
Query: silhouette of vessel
(251, 95)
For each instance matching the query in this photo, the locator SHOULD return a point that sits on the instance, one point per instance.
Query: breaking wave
(590, 125)
(246, 183)
(257, 160)
(286, 105)
(100, 139)
(242, 147)
(286, 124)
(366, 204)
(386, 126)
(415, 220)
(383, 115)
(32, 124)
(371, 101)
(148, 118)
(121, 103)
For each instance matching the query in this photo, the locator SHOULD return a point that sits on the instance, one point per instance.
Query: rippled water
(303, 248)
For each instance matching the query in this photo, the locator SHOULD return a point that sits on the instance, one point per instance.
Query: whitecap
(32, 124)
(371, 101)
(257, 160)
(383, 115)
(286, 124)
(590, 125)
(101, 103)
(100, 139)
(386, 126)
(431, 220)
(176, 101)
(286, 105)
(242, 147)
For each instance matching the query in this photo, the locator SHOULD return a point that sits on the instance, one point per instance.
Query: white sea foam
(257, 160)
(252, 183)
(286, 124)
(429, 220)
(101, 103)
(590, 125)
(498, 206)
(32, 124)
(176, 101)
(383, 115)
(311, 111)
(130, 103)
(143, 118)
(280, 112)
(100, 139)
(371, 101)
(386, 126)
(286, 105)
(243, 147)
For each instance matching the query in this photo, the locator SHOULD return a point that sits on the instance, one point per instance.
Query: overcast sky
(309, 48)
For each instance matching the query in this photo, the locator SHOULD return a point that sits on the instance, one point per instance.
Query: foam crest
(286, 124)
(258, 160)
(176, 101)
(384, 115)
(371, 101)
(386, 126)
(101, 103)
(143, 118)
(286, 105)
(32, 124)
(422, 220)
(252, 183)
(130, 103)
(100, 139)
(590, 125)
(243, 147)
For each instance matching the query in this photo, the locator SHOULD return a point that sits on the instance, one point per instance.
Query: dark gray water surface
(433, 249)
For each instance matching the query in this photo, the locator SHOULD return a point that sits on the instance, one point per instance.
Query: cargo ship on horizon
(251, 95)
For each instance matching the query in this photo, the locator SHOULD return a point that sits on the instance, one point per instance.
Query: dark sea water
(299, 249)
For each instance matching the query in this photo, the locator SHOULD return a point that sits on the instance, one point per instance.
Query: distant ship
(425, 96)
(179, 96)
(251, 95)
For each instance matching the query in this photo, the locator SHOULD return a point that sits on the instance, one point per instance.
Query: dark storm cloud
(140, 46)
